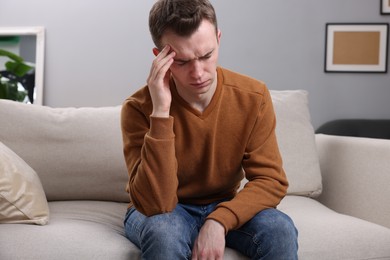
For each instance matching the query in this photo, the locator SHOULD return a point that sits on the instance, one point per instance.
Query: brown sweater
(199, 158)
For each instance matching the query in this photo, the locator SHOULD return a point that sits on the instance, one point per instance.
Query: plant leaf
(11, 55)
(17, 68)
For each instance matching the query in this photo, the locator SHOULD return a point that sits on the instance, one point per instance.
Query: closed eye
(207, 56)
(181, 62)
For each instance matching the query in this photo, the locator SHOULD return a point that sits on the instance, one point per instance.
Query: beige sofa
(72, 158)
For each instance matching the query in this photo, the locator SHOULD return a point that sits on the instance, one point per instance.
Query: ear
(155, 51)
(219, 34)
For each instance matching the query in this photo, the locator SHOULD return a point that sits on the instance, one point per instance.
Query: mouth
(200, 84)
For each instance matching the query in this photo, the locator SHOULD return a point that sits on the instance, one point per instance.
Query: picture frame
(356, 47)
(36, 45)
(385, 7)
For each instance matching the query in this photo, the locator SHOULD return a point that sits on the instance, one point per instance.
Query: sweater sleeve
(262, 163)
(149, 151)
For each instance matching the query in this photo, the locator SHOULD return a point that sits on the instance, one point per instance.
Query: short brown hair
(183, 17)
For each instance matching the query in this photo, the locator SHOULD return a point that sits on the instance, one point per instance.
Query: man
(190, 136)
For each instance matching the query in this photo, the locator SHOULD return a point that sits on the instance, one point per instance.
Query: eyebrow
(201, 57)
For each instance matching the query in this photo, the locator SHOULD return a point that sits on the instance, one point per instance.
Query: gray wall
(99, 52)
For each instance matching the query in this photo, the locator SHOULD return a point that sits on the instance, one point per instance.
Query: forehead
(202, 41)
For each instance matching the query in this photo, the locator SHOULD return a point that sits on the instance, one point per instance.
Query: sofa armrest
(356, 176)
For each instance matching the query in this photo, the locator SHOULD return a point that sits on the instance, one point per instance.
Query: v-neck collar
(212, 104)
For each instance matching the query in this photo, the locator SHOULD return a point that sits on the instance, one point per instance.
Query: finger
(159, 55)
(159, 72)
(163, 53)
(194, 255)
(160, 66)
(160, 58)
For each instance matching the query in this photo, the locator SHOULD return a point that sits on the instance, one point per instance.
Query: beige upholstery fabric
(357, 170)
(77, 152)
(22, 199)
(325, 234)
(297, 142)
(77, 230)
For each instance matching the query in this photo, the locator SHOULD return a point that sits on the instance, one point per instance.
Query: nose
(196, 69)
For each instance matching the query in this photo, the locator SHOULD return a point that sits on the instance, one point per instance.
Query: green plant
(16, 68)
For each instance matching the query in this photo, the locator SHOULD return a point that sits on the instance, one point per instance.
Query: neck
(201, 101)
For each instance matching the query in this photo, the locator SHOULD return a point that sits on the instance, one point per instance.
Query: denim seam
(136, 228)
(254, 240)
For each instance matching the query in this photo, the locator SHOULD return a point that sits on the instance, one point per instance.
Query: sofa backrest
(77, 152)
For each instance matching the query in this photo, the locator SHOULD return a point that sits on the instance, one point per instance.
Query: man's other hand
(210, 243)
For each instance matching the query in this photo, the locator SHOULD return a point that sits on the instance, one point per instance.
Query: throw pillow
(22, 199)
(296, 141)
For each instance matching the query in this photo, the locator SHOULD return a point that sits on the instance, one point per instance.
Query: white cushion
(296, 141)
(22, 199)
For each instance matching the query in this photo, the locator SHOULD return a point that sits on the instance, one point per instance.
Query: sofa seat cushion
(77, 230)
(326, 234)
(94, 230)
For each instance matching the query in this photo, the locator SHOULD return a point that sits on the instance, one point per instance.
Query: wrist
(161, 114)
(217, 226)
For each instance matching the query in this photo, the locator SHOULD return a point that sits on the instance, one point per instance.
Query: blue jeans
(270, 234)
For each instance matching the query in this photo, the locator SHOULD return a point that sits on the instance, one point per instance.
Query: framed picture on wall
(356, 47)
(385, 6)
